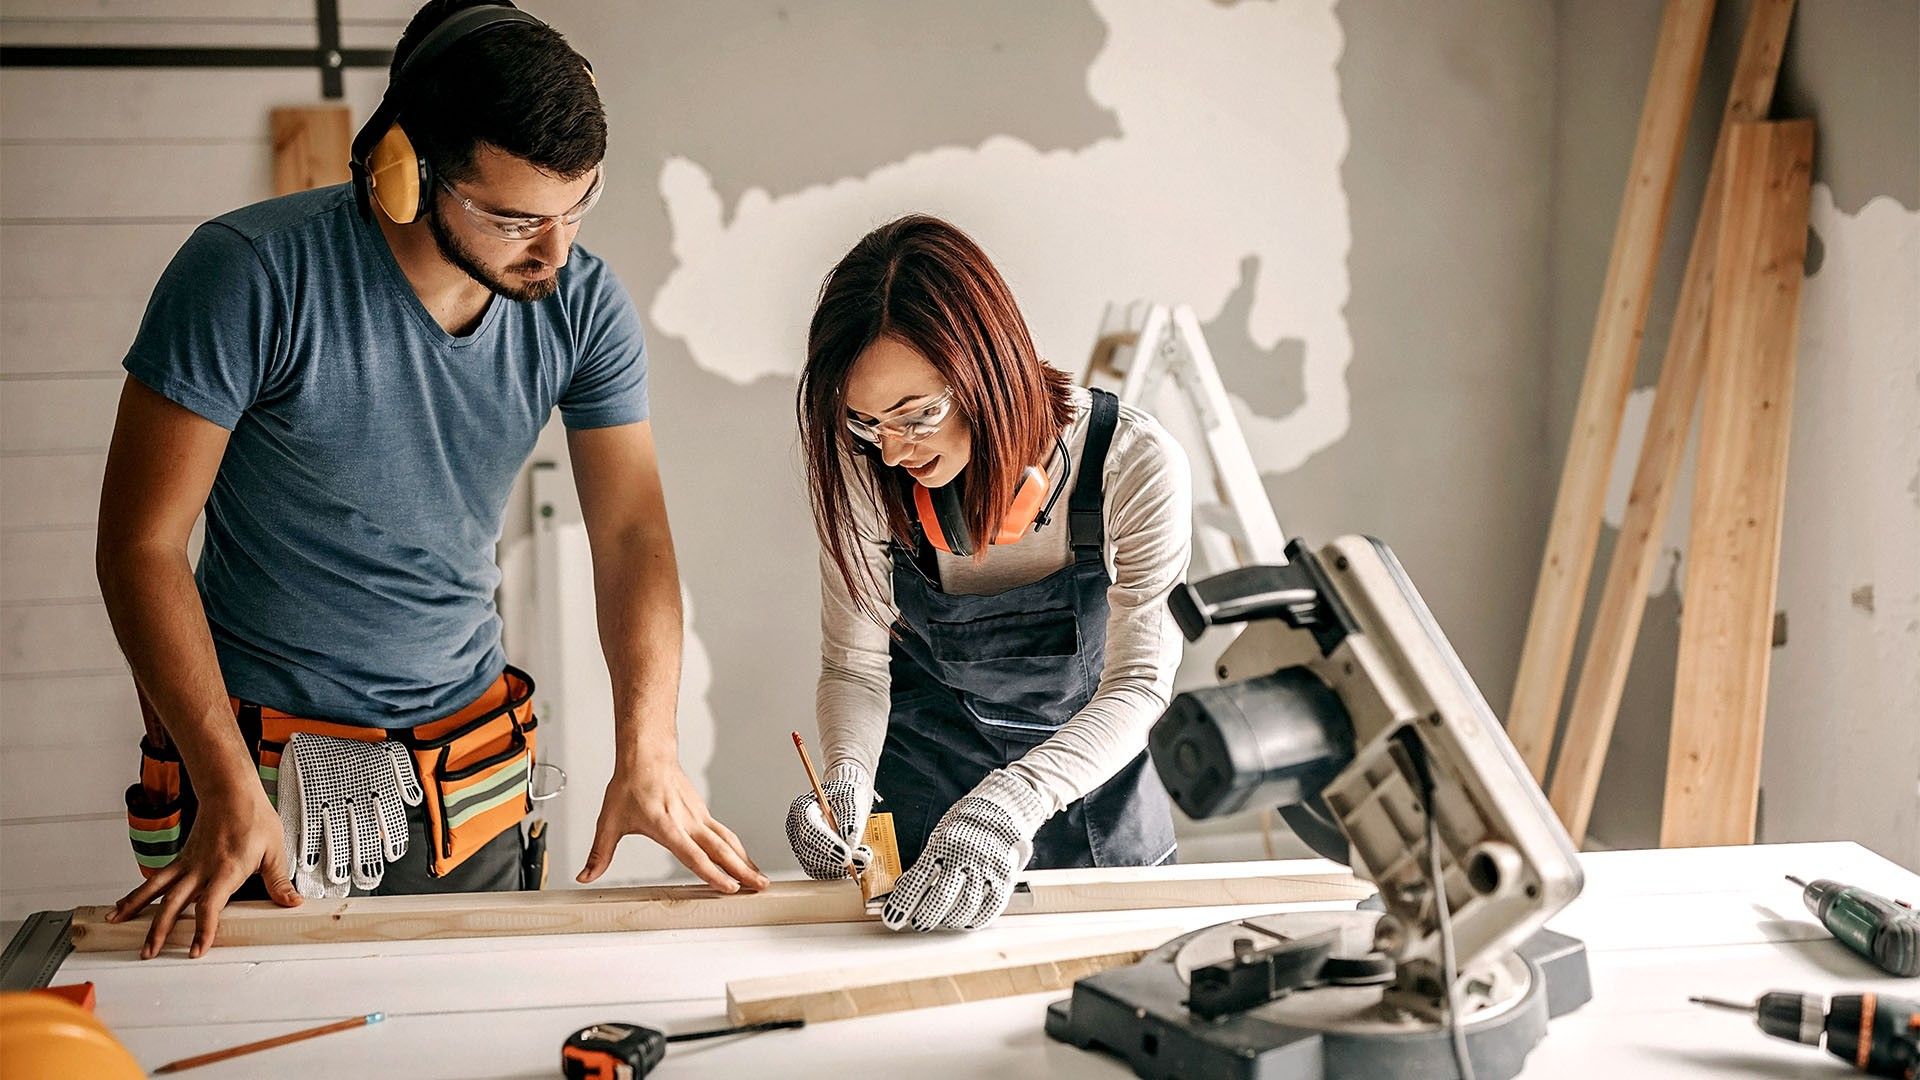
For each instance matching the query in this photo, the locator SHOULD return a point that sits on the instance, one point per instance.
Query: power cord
(1436, 880)
(1450, 969)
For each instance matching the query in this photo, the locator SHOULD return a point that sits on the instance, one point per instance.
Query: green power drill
(1884, 931)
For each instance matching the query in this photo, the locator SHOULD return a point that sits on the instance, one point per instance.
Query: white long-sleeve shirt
(1149, 525)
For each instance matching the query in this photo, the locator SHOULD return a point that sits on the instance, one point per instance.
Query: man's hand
(232, 839)
(656, 800)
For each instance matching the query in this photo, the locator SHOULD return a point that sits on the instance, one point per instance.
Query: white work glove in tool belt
(343, 809)
(964, 877)
(822, 854)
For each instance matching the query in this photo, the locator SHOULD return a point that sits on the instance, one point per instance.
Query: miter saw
(1343, 704)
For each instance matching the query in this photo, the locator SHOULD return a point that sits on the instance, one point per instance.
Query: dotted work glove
(343, 809)
(964, 876)
(822, 854)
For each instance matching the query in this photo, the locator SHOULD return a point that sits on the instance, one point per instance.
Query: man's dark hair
(520, 88)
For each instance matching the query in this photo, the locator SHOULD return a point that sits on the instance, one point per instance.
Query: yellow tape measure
(886, 854)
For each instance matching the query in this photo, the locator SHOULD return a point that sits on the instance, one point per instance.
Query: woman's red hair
(925, 284)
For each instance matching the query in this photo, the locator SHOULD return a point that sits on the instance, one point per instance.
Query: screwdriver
(1875, 1033)
(1884, 931)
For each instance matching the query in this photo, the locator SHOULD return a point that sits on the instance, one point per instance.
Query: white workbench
(1659, 926)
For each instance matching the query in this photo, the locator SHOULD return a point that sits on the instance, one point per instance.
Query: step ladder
(1141, 345)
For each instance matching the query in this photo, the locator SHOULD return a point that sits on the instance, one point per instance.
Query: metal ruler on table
(37, 950)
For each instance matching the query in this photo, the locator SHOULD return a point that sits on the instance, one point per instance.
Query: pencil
(826, 810)
(268, 1044)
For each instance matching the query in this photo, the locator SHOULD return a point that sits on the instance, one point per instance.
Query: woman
(997, 550)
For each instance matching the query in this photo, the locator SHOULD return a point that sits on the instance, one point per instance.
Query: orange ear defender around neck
(944, 519)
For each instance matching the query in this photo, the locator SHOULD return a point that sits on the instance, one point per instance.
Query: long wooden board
(1623, 599)
(310, 147)
(1574, 530)
(844, 993)
(1733, 550)
(680, 907)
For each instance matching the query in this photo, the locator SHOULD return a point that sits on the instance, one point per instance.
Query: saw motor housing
(1342, 703)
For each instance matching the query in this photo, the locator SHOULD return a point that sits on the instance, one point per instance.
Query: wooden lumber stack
(1623, 600)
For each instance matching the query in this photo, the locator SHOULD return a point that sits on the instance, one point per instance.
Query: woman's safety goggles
(512, 227)
(919, 424)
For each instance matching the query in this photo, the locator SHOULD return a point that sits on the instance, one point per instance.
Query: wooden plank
(58, 414)
(197, 33)
(84, 337)
(87, 855)
(1575, 526)
(42, 490)
(89, 181)
(1733, 550)
(298, 12)
(61, 710)
(159, 105)
(310, 147)
(77, 779)
(679, 907)
(54, 564)
(41, 639)
(844, 993)
(1623, 599)
(120, 261)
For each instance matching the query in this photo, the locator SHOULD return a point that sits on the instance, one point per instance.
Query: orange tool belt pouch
(159, 807)
(474, 766)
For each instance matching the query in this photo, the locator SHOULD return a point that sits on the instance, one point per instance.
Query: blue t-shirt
(349, 568)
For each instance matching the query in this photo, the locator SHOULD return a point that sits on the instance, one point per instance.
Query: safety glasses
(919, 424)
(508, 227)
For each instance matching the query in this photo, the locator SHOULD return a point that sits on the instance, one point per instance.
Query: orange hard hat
(45, 1036)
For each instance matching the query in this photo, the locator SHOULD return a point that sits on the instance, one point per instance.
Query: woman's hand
(823, 854)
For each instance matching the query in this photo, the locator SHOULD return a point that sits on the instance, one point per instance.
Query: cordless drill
(1874, 1033)
(1884, 931)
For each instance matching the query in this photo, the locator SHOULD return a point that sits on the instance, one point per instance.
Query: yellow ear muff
(396, 176)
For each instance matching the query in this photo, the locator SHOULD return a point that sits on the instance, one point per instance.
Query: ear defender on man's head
(388, 170)
(398, 178)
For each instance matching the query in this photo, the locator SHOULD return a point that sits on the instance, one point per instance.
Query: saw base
(1139, 1013)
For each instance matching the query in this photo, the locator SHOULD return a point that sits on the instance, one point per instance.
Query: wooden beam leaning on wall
(1026, 968)
(1534, 711)
(310, 147)
(1733, 550)
(682, 907)
(1623, 599)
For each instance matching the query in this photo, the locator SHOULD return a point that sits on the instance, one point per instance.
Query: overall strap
(1086, 528)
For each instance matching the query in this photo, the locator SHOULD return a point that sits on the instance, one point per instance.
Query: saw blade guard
(1336, 699)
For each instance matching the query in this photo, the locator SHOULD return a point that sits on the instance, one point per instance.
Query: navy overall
(980, 680)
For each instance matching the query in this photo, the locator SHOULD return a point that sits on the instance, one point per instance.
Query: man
(349, 397)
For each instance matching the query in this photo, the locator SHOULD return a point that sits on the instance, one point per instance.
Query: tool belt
(475, 766)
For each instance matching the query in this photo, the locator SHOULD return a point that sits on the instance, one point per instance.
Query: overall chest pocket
(1019, 635)
(1019, 673)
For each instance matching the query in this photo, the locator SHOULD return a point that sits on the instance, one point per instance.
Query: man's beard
(454, 252)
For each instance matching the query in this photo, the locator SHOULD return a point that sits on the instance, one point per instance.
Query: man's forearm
(637, 590)
(158, 619)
